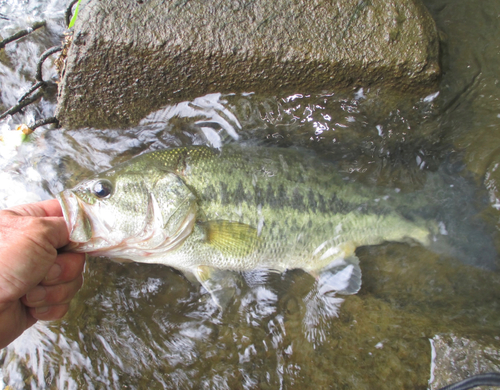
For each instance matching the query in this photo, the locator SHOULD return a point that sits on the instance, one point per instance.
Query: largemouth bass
(209, 212)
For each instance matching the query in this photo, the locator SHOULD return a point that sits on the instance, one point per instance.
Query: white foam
(433, 361)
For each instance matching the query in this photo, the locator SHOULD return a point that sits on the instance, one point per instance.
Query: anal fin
(221, 284)
(342, 276)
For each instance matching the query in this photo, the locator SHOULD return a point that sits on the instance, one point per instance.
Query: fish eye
(102, 189)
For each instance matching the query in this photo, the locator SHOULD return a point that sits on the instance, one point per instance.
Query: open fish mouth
(79, 226)
(153, 240)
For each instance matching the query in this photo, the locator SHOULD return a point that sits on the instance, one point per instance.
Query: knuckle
(50, 313)
(38, 232)
(59, 294)
(67, 268)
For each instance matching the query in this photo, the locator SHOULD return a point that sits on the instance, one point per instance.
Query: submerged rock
(128, 59)
(153, 327)
(456, 358)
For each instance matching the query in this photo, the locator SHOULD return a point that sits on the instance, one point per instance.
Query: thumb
(28, 248)
(50, 215)
(46, 208)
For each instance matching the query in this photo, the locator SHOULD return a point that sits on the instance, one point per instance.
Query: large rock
(129, 58)
(457, 358)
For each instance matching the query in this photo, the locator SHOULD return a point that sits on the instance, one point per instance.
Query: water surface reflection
(146, 326)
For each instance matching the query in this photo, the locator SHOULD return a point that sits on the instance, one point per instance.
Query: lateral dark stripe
(283, 198)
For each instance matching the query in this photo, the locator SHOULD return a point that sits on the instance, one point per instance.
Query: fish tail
(458, 230)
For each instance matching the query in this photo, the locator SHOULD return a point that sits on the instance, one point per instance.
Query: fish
(210, 213)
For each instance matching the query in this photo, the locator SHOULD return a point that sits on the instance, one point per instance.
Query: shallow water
(145, 326)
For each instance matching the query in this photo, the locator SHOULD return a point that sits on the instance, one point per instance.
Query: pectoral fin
(342, 276)
(232, 238)
(221, 284)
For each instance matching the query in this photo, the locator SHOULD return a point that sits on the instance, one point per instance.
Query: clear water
(146, 327)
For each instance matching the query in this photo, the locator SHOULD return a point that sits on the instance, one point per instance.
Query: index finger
(45, 208)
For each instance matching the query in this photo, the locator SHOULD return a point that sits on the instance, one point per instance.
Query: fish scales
(205, 211)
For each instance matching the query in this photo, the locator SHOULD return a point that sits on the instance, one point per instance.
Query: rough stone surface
(457, 358)
(129, 58)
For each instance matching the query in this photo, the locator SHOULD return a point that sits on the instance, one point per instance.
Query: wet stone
(457, 358)
(117, 72)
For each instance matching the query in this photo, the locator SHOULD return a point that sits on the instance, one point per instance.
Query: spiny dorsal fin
(232, 238)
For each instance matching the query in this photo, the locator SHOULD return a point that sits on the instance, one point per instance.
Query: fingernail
(41, 310)
(37, 294)
(53, 273)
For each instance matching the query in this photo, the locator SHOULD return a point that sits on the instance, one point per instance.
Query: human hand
(36, 283)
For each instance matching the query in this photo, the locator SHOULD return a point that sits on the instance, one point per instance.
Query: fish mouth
(151, 243)
(78, 224)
